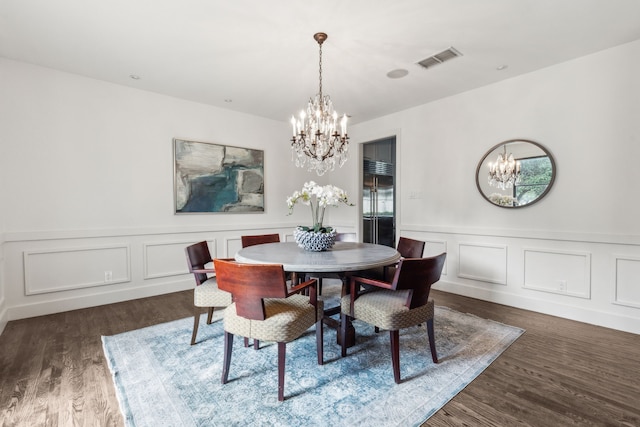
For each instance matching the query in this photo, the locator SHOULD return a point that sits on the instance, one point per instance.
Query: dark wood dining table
(342, 258)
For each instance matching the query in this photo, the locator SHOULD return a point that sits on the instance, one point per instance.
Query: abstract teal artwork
(217, 178)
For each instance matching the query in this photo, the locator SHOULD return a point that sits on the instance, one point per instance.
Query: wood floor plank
(559, 373)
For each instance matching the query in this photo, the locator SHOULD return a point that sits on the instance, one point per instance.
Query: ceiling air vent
(439, 58)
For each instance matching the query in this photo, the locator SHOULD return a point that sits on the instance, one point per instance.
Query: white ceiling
(261, 55)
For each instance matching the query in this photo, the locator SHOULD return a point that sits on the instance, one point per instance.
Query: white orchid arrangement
(503, 199)
(318, 198)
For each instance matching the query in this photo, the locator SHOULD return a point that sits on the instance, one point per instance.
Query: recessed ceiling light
(397, 74)
(134, 76)
(502, 67)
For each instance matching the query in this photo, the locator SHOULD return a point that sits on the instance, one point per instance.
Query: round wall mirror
(515, 173)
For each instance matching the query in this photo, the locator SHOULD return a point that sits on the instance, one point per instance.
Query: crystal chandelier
(505, 172)
(317, 141)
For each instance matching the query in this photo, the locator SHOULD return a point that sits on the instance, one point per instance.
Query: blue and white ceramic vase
(314, 241)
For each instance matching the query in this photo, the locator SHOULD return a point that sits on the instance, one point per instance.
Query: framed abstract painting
(217, 178)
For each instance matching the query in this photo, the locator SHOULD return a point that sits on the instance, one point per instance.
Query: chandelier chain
(320, 72)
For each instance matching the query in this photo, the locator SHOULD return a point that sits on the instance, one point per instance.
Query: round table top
(343, 256)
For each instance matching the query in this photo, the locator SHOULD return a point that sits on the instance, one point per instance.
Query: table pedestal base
(331, 322)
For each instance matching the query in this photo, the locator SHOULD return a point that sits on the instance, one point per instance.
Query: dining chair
(401, 303)
(265, 309)
(259, 239)
(408, 248)
(206, 293)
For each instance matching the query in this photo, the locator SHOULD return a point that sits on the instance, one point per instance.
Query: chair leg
(246, 342)
(256, 344)
(320, 341)
(343, 334)
(196, 322)
(432, 341)
(210, 316)
(319, 286)
(395, 354)
(228, 347)
(282, 351)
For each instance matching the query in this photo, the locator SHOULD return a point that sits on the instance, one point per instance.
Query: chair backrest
(259, 239)
(346, 237)
(197, 256)
(249, 284)
(410, 248)
(417, 275)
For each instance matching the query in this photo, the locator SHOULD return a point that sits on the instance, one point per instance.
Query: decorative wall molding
(231, 246)
(64, 269)
(483, 262)
(560, 236)
(490, 267)
(433, 247)
(560, 272)
(168, 258)
(501, 295)
(536, 268)
(100, 296)
(239, 228)
(626, 281)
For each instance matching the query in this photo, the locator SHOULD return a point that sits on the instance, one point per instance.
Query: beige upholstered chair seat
(208, 295)
(386, 309)
(286, 320)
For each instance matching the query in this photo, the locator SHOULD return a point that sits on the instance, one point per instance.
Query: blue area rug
(161, 380)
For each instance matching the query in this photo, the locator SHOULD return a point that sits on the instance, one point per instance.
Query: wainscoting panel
(487, 263)
(627, 281)
(232, 246)
(436, 247)
(165, 259)
(560, 272)
(54, 270)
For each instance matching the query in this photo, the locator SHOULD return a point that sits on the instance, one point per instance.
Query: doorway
(379, 192)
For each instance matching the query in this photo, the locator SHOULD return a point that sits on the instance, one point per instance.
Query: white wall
(3, 301)
(584, 233)
(3, 187)
(87, 187)
(87, 178)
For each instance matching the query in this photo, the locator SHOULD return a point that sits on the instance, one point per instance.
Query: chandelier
(317, 141)
(505, 172)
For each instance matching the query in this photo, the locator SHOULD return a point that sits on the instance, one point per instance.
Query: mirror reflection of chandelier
(505, 172)
(317, 141)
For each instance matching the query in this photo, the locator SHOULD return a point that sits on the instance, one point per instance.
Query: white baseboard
(94, 300)
(580, 314)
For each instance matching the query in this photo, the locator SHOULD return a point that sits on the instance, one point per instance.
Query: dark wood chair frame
(408, 248)
(259, 239)
(413, 274)
(198, 256)
(250, 284)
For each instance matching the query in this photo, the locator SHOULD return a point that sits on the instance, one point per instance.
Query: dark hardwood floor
(559, 373)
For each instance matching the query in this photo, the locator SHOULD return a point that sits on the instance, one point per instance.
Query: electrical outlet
(562, 286)
(108, 276)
